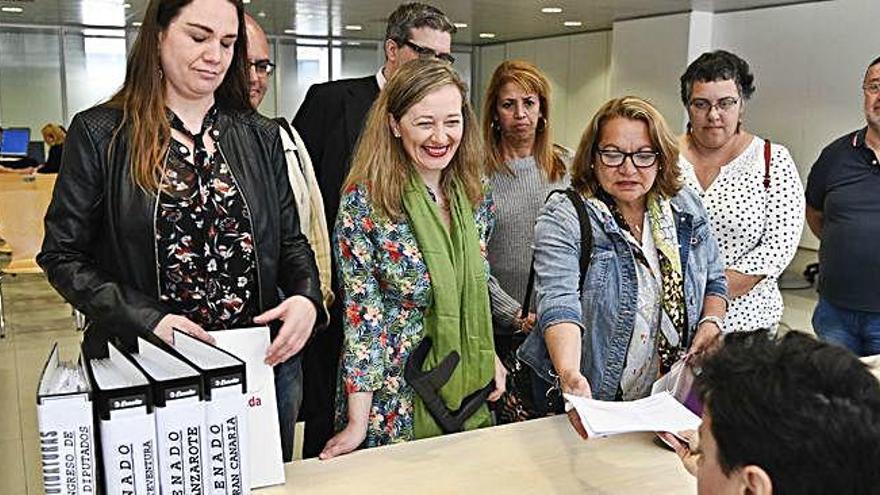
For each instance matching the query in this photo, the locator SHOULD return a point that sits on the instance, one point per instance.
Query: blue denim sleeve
(716, 281)
(557, 251)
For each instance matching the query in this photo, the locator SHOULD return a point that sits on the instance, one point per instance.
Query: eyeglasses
(263, 67)
(872, 88)
(704, 105)
(425, 52)
(615, 158)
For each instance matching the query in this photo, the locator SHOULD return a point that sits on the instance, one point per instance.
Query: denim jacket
(605, 309)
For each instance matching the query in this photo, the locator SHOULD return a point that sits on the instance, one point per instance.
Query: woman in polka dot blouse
(756, 217)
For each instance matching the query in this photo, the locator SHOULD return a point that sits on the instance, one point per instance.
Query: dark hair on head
(416, 15)
(719, 65)
(806, 412)
(142, 96)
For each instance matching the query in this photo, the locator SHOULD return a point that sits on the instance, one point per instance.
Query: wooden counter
(536, 457)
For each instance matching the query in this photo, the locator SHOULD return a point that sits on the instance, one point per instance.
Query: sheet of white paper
(659, 412)
(263, 436)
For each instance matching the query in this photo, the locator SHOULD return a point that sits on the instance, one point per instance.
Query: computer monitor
(37, 151)
(15, 141)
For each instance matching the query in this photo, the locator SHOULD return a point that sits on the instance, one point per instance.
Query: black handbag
(528, 396)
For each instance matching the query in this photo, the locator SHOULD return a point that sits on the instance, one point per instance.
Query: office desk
(537, 457)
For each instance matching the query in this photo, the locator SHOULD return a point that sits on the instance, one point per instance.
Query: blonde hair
(380, 161)
(529, 78)
(668, 181)
(53, 134)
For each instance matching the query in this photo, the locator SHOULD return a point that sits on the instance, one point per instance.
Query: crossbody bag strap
(767, 158)
(586, 246)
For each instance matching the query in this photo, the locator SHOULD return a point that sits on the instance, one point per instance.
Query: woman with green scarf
(411, 235)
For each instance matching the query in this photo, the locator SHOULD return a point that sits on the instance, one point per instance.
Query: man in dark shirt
(330, 121)
(844, 212)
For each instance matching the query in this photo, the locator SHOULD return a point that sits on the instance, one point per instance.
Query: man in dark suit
(330, 121)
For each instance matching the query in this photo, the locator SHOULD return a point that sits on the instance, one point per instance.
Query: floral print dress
(387, 290)
(204, 240)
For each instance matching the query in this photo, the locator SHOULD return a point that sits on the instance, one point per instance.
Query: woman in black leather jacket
(172, 208)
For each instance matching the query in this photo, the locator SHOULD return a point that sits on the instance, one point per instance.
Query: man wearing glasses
(310, 211)
(330, 121)
(843, 212)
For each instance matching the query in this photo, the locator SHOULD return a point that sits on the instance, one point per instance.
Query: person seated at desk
(793, 415)
(23, 165)
(53, 136)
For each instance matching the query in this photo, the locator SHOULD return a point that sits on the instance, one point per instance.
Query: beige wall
(808, 60)
(577, 67)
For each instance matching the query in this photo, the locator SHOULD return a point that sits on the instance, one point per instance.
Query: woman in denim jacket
(654, 291)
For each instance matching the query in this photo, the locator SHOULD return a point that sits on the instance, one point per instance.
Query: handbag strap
(586, 246)
(767, 158)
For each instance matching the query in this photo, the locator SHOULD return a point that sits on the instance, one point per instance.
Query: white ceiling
(508, 19)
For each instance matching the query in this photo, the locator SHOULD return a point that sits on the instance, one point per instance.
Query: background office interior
(58, 57)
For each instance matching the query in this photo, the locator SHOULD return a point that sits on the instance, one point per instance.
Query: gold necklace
(635, 228)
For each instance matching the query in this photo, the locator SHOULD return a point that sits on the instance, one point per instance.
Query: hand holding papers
(660, 412)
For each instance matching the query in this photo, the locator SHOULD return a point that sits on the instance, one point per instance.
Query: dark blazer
(330, 120)
(99, 246)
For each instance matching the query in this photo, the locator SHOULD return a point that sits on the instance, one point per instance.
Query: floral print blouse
(204, 240)
(387, 289)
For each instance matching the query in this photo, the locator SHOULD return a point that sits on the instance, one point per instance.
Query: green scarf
(458, 318)
(665, 235)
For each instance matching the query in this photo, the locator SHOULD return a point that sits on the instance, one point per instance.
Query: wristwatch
(717, 320)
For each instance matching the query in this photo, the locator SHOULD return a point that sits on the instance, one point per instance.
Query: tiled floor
(37, 317)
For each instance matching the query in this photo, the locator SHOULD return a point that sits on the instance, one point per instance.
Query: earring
(542, 124)
(689, 128)
(496, 126)
(160, 73)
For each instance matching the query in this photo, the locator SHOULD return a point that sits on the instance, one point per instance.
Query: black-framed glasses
(872, 88)
(723, 105)
(425, 52)
(263, 66)
(615, 158)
